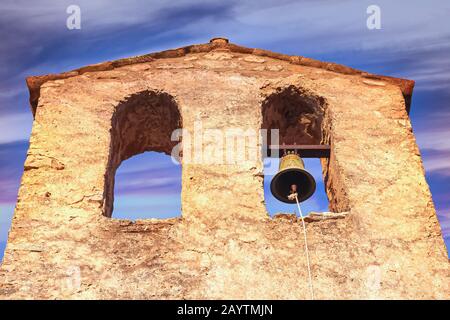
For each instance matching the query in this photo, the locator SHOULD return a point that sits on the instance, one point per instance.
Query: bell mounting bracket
(303, 150)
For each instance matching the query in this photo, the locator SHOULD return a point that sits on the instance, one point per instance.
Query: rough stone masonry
(63, 242)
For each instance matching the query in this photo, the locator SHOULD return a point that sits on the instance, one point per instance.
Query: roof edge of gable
(34, 83)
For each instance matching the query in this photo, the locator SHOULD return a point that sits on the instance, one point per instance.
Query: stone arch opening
(302, 118)
(142, 122)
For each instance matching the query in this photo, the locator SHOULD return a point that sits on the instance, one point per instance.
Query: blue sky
(414, 43)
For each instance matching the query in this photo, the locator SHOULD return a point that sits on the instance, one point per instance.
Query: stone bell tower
(63, 242)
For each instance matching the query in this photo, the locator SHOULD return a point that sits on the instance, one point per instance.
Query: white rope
(306, 249)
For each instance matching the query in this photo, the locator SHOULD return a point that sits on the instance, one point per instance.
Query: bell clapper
(293, 189)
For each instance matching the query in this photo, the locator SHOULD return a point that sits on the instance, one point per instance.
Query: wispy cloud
(35, 32)
(148, 185)
(15, 127)
(444, 221)
(438, 163)
(150, 174)
(434, 141)
(12, 157)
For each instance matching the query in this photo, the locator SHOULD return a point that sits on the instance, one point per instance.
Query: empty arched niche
(142, 122)
(300, 118)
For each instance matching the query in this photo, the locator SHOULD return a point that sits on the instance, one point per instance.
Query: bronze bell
(292, 177)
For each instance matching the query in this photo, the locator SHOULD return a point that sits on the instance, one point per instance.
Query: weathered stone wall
(389, 245)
